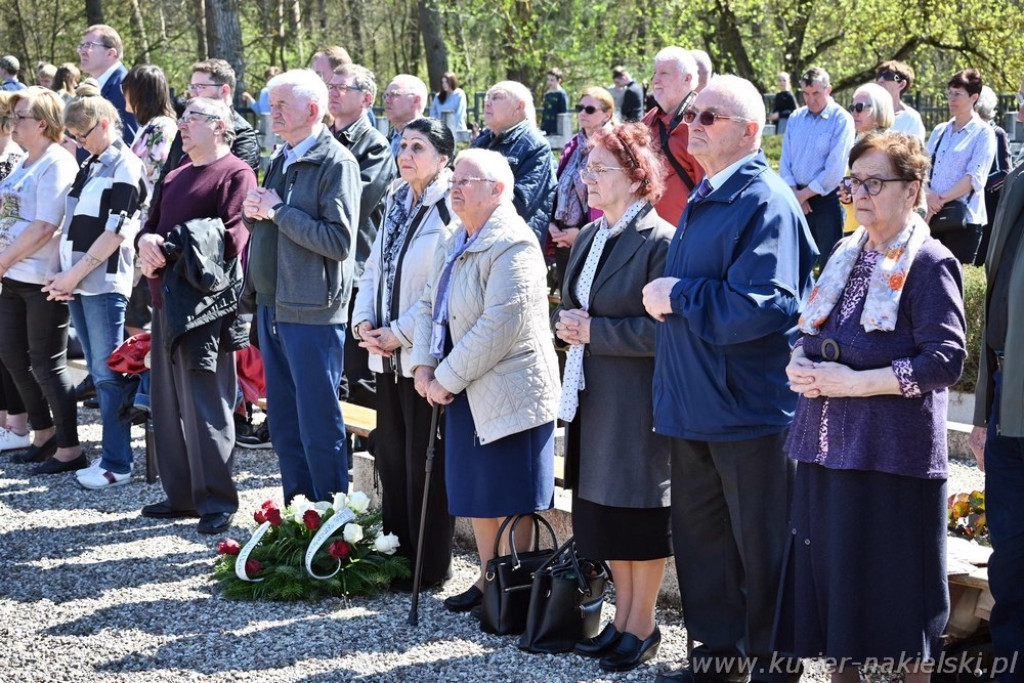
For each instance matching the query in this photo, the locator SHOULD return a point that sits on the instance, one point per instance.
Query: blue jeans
(1004, 509)
(303, 366)
(99, 319)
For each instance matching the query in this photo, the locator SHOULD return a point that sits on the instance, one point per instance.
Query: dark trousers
(193, 427)
(303, 365)
(10, 399)
(963, 243)
(826, 223)
(357, 368)
(730, 505)
(33, 346)
(402, 436)
(1004, 509)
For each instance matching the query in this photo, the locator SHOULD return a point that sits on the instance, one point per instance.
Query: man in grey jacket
(998, 437)
(301, 266)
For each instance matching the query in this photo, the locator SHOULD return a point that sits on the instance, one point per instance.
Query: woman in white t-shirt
(35, 330)
(95, 269)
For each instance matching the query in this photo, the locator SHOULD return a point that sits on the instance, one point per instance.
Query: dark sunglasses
(890, 76)
(590, 109)
(707, 118)
(858, 107)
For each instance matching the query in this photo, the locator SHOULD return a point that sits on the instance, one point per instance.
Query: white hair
(520, 93)
(682, 57)
(987, 103)
(213, 106)
(414, 85)
(703, 61)
(305, 85)
(493, 165)
(742, 96)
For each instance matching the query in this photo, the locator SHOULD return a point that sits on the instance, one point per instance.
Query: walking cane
(414, 615)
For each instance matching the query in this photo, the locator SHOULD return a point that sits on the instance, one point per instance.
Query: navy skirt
(513, 475)
(865, 567)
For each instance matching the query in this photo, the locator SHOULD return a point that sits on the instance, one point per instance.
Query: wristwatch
(273, 210)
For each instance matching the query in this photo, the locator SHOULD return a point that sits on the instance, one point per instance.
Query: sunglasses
(708, 118)
(590, 109)
(890, 76)
(859, 107)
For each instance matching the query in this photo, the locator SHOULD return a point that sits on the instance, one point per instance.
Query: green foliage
(974, 310)
(966, 516)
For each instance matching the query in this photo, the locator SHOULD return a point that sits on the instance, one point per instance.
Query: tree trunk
(295, 24)
(224, 37)
(94, 12)
(355, 10)
(140, 31)
(433, 43)
(199, 17)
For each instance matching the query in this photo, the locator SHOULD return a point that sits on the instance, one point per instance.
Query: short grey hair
(520, 93)
(361, 76)
(987, 103)
(414, 85)
(305, 85)
(816, 75)
(703, 61)
(743, 98)
(682, 57)
(494, 166)
(215, 107)
(10, 64)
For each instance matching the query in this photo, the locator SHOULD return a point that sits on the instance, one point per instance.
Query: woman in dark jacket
(617, 466)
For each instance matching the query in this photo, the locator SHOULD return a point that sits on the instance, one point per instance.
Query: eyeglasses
(80, 139)
(341, 87)
(953, 94)
(393, 95)
(196, 87)
(193, 116)
(18, 116)
(594, 172)
(871, 185)
(858, 107)
(462, 183)
(590, 109)
(890, 76)
(87, 45)
(708, 118)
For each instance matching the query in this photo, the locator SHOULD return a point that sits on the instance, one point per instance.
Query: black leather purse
(953, 215)
(565, 602)
(508, 579)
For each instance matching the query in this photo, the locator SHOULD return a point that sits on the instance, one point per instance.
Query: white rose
(300, 501)
(340, 501)
(386, 543)
(358, 502)
(321, 506)
(353, 533)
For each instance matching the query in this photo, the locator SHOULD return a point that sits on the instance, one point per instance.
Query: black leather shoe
(477, 612)
(465, 601)
(85, 389)
(55, 466)
(91, 403)
(214, 522)
(601, 644)
(36, 453)
(631, 652)
(163, 510)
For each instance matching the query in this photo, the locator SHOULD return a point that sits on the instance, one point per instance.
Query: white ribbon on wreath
(243, 554)
(338, 520)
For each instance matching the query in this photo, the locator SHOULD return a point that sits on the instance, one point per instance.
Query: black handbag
(565, 602)
(509, 578)
(953, 215)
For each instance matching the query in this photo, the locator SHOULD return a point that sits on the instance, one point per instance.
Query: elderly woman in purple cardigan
(883, 337)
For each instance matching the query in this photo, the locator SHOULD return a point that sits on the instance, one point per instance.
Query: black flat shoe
(214, 522)
(37, 453)
(55, 466)
(463, 602)
(601, 644)
(85, 389)
(631, 652)
(163, 510)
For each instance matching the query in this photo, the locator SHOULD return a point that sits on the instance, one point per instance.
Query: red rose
(267, 504)
(253, 567)
(311, 518)
(339, 550)
(229, 546)
(260, 516)
(273, 515)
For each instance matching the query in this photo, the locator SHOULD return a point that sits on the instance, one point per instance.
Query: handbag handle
(566, 554)
(511, 522)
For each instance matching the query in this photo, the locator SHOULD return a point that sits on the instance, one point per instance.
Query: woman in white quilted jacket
(483, 348)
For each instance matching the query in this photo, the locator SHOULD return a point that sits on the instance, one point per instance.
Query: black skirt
(613, 533)
(865, 568)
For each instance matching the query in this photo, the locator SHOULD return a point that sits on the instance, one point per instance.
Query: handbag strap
(511, 522)
(931, 171)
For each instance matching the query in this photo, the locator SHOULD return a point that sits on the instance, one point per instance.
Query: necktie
(702, 191)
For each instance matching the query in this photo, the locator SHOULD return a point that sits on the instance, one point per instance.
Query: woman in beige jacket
(483, 348)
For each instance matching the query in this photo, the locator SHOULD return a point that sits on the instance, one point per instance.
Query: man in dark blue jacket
(737, 270)
(509, 116)
(100, 54)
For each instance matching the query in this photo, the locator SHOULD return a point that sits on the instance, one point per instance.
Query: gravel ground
(91, 591)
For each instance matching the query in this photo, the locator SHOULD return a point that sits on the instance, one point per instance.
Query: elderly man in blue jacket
(509, 116)
(737, 270)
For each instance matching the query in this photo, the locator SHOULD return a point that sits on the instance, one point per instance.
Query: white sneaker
(94, 467)
(9, 441)
(100, 478)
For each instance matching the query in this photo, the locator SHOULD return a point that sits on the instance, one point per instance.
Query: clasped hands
(573, 326)
(60, 287)
(259, 201)
(429, 388)
(380, 341)
(824, 378)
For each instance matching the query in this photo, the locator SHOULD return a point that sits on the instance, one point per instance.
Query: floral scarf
(882, 300)
(571, 209)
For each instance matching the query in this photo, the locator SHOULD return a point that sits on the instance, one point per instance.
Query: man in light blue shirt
(9, 68)
(815, 150)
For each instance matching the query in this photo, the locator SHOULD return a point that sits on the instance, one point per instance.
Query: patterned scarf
(571, 198)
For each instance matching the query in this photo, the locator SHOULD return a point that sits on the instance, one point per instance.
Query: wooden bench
(969, 596)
